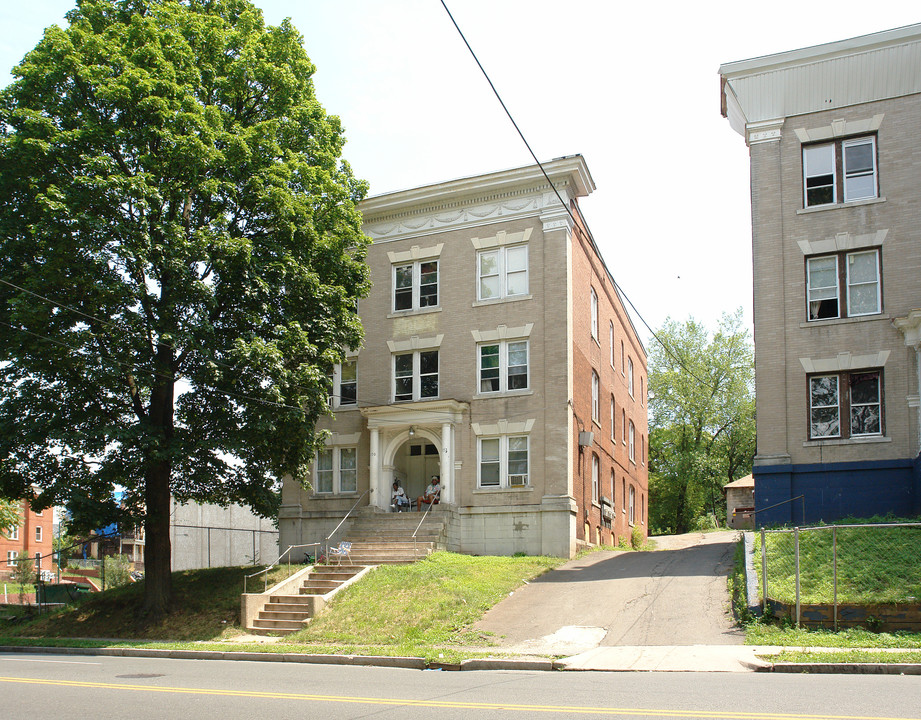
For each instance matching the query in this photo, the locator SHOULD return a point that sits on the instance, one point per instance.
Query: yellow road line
(447, 704)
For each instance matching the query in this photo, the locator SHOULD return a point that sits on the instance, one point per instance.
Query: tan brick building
(497, 355)
(836, 235)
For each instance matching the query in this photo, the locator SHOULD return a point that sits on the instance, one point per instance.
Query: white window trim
(594, 312)
(631, 442)
(835, 137)
(504, 477)
(849, 285)
(613, 420)
(415, 303)
(336, 484)
(11, 557)
(503, 367)
(14, 533)
(416, 376)
(337, 386)
(611, 340)
(596, 479)
(632, 505)
(596, 398)
(867, 139)
(630, 379)
(38, 533)
(502, 272)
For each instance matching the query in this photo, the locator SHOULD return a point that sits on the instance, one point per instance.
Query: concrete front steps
(387, 538)
(283, 613)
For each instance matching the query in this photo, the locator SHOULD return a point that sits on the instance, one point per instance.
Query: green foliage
(764, 634)
(636, 538)
(117, 569)
(9, 516)
(738, 587)
(176, 220)
(429, 602)
(702, 421)
(24, 571)
(875, 565)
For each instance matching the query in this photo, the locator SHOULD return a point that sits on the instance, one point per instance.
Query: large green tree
(180, 261)
(702, 419)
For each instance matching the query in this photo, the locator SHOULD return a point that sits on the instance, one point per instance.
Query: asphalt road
(60, 686)
(675, 595)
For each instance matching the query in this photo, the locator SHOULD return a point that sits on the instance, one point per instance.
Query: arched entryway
(414, 463)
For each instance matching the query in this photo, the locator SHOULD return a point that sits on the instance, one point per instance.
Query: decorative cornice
(845, 361)
(910, 327)
(503, 332)
(502, 427)
(762, 132)
(843, 241)
(415, 343)
(337, 439)
(416, 253)
(840, 128)
(428, 412)
(502, 238)
(475, 201)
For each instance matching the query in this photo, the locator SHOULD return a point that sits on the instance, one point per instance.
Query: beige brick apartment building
(497, 355)
(836, 225)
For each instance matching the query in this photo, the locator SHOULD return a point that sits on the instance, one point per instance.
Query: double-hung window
(503, 461)
(843, 285)
(829, 167)
(11, 556)
(415, 375)
(14, 533)
(596, 398)
(38, 533)
(336, 470)
(345, 385)
(502, 272)
(632, 503)
(630, 376)
(503, 366)
(631, 442)
(415, 285)
(596, 478)
(594, 311)
(846, 404)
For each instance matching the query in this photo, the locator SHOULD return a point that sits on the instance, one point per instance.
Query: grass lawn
(847, 656)
(875, 565)
(424, 609)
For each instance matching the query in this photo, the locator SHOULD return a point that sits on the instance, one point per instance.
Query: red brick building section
(610, 476)
(30, 538)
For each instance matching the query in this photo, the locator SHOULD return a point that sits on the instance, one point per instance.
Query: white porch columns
(378, 497)
(447, 462)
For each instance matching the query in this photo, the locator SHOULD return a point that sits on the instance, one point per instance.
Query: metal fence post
(834, 556)
(764, 575)
(796, 553)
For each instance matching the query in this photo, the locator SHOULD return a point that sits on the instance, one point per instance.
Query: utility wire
(560, 198)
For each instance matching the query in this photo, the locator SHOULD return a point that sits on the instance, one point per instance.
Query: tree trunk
(157, 552)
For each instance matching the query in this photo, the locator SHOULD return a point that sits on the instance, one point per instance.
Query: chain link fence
(839, 565)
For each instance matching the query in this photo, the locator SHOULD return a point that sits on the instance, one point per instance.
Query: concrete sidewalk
(670, 658)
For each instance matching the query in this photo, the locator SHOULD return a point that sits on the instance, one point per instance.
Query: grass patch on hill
(875, 565)
(431, 603)
(424, 610)
(763, 634)
(206, 606)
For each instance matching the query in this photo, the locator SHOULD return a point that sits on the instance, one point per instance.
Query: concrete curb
(417, 663)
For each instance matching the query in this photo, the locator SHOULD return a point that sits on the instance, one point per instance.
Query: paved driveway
(675, 595)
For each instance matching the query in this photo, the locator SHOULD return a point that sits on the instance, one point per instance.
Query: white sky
(634, 87)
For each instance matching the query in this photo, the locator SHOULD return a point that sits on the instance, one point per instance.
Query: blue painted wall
(832, 491)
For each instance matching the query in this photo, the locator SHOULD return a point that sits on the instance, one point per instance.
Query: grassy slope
(396, 610)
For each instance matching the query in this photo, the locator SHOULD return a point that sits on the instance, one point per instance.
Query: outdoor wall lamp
(412, 431)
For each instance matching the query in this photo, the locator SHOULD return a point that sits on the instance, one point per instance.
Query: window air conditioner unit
(586, 438)
(517, 480)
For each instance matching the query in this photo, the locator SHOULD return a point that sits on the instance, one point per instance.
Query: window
(857, 272)
(11, 556)
(38, 533)
(415, 285)
(504, 366)
(611, 341)
(14, 533)
(596, 474)
(613, 438)
(336, 470)
(623, 495)
(503, 461)
(643, 449)
(502, 272)
(850, 164)
(630, 376)
(596, 398)
(345, 385)
(631, 444)
(594, 315)
(623, 364)
(623, 420)
(642, 391)
(632, 503)
(856, 396)
(415, 375)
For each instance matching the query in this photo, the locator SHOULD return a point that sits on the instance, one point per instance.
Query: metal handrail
(424, 516)
(265, 571)
(345, 517)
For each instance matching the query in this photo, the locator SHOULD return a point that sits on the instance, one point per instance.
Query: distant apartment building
(499, 356)
(30, 538)
(832, 132)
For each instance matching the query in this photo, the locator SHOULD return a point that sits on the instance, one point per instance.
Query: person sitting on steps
(398, 499)
(432, 494)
